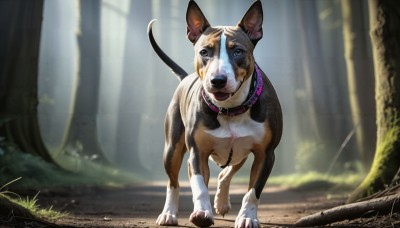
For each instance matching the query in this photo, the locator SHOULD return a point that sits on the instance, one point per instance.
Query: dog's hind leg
(173, 155)
(173, 161)
(221, 201)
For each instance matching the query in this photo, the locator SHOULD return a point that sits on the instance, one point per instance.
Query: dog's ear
(252, 21)
(196, 21)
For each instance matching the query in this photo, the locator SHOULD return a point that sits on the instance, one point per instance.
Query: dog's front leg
(260, 171)
(221, 201)
(199, 174)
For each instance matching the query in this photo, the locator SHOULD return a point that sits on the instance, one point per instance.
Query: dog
(223, 111)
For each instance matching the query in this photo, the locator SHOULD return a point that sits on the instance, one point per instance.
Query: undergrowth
(11, 210)
(314, 180)
(27, 171)
(32, 205)
(35, 172)
(34, 208)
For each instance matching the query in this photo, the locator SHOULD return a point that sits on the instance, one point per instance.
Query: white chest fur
(236, 135)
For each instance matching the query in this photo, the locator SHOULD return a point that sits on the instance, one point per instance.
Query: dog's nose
(219, 81)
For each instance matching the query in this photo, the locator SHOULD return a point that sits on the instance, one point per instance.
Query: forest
(83, 98)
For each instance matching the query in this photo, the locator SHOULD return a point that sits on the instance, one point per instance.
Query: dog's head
(224, 54)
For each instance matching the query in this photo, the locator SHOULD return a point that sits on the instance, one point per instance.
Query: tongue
(221, 96)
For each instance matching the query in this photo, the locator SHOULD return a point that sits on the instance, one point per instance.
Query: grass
(36, 173)
(317, 181)
(34, 208)
(312, 181)
(29, 206)
(31, 172)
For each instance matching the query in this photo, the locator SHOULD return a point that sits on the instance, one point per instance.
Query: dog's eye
(204, 53)
(238, 52)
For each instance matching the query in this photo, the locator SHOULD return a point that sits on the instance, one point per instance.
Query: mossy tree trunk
(360, 78)
(20, 27)
(385, 36)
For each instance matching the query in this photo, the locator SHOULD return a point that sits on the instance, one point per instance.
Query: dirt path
(139, 206)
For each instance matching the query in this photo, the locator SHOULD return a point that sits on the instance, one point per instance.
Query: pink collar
(247, 104)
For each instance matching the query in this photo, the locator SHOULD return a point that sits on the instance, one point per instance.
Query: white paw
(221, 204)
(246, 222)
(247, 217)
(202, 211)
(167, 219)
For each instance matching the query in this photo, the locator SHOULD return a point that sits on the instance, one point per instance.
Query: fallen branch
(388, 191)
(381, 206)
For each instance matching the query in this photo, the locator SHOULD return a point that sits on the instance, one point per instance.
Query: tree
(131, 101)
(20, 26)
(20, 23)
(82, 132)
(360, 78)
(385, 36)
(321, 128)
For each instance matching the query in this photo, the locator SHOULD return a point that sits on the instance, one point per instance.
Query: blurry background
(103, 92)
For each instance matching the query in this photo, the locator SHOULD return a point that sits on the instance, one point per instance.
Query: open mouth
(220, 96)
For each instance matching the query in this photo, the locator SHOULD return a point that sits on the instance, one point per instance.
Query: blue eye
(204, 53)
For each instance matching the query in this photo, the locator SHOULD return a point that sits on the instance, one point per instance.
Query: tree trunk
(330, 18)
(315, 82)
(360, 78)
(20, 23)
(317, 88)
(132, 104)
(81, 135)
(385, 36)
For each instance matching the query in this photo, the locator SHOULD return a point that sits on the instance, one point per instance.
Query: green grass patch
(36, 173)
(19, 170)
(32, 205)
(311, 181)
(24, 208)
(317, 181)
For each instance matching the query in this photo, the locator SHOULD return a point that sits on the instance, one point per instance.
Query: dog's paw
(222, 205)
(201, 218)
(167, 219)
(247, 217)
(246, 222)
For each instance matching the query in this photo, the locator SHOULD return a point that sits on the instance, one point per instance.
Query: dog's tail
(176, 69)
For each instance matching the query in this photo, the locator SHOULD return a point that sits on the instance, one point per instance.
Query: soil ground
(139, 205)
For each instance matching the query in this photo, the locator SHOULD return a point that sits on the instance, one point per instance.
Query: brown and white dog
(226, 110)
